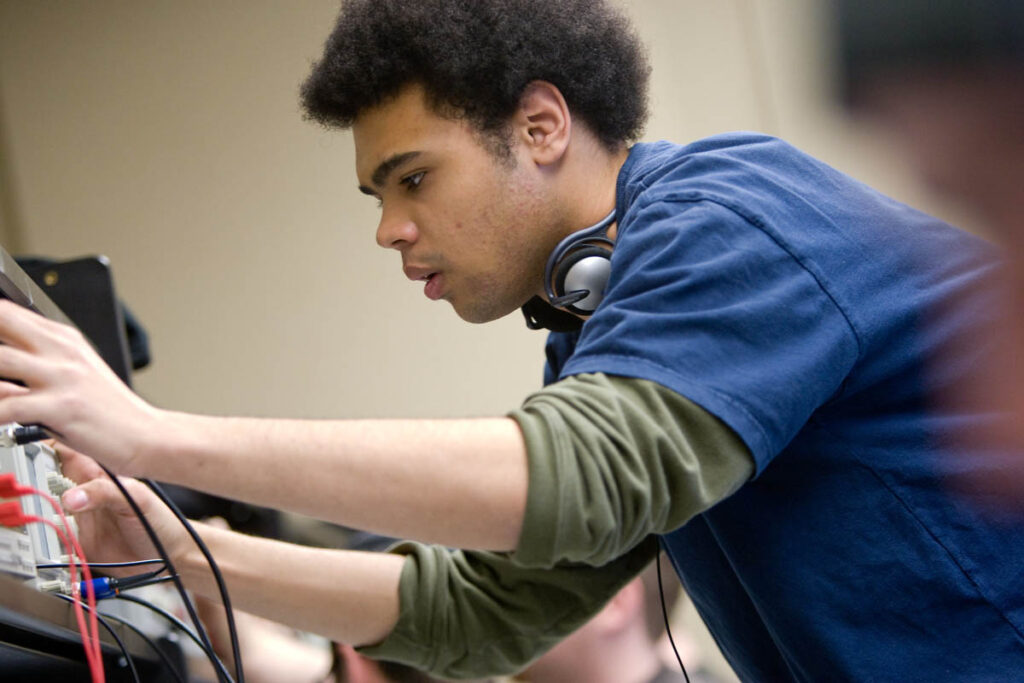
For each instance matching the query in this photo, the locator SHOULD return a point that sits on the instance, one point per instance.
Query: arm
(457, 482)
(461, 483)
(348, 596)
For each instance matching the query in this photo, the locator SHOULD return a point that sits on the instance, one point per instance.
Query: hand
(108, 528)
(69, 389)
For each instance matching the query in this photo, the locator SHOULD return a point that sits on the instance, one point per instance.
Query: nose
(396, 230)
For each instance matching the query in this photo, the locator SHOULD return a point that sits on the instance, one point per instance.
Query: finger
(10, 389)
(94, 494)
(20, 326)
(27, 407)
(21, 365)
(76, 466)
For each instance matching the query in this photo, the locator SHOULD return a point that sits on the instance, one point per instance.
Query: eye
(412, 181)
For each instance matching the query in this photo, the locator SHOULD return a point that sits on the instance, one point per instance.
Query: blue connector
(105, 587)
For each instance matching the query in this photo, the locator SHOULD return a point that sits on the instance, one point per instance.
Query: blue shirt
(823, 322)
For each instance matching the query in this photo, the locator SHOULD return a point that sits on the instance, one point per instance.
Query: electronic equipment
(18, 286)
(83, 290)
(23, 549)
(39, 636)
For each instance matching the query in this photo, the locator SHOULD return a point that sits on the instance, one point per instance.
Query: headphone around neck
(576, 274)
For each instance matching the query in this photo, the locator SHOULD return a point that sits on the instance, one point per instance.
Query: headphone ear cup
(583, 269)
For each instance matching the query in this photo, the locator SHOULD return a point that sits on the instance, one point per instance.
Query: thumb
(91, 495)
(76, 499)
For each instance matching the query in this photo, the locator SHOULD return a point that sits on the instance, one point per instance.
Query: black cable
(140, 581)
(136, 578)
(156, 648)
(236, 653)
(110, 629)
(183, 627)
(664, 613)
(102, 565)
(222, 674)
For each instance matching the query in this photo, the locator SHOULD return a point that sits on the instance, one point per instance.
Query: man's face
(468, 224)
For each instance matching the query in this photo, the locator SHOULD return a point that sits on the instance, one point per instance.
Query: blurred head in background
(945, 80)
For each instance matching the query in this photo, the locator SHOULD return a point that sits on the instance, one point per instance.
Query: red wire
(90, 640)
(93, 654)
(90, 590)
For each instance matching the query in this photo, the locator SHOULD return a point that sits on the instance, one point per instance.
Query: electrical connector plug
(10, 488)
(11, 514)
(54, 586)
(104, 587)
(58, 483)
(19, 435)
(108, 586)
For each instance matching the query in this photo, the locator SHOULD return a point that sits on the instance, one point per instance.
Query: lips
(434, 287)
(417, 273)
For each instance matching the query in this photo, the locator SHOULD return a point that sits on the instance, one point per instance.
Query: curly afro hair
(474, 58)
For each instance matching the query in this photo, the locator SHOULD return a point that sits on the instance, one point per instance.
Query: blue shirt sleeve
(707, 303)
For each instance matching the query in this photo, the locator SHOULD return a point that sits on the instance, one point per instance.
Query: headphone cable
(664, 613)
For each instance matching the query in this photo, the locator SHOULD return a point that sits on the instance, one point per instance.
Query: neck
(581, 189)
(590, 173)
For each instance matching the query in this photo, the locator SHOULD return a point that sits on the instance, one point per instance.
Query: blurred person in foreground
(273, 653)
(739, 371)
(945, 81)
(625, 642)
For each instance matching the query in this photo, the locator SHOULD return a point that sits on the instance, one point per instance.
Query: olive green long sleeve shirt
(612, 462)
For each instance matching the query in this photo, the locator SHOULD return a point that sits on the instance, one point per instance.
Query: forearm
(460, 483)
(350, 597)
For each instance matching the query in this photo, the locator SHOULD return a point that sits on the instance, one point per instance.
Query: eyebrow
(385, 168)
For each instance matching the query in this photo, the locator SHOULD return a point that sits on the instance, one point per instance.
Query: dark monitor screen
(78, 292)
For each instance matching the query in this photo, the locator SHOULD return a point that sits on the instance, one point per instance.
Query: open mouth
(433, 287)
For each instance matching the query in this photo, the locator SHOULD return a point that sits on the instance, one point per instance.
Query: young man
(752, 383)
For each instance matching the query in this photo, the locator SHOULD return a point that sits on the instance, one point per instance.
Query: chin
(476, 318)
(481, 313)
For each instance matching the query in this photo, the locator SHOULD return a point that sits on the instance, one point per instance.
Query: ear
(543, 123)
